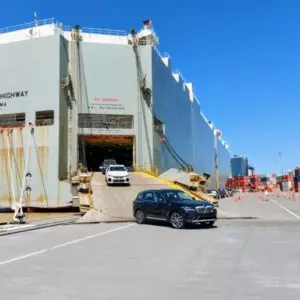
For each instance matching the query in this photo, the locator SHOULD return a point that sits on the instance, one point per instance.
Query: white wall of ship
(48, 27)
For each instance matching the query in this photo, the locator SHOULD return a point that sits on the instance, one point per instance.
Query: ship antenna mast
(35, 19)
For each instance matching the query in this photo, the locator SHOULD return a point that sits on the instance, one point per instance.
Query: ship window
(12, 120)
(44, 118)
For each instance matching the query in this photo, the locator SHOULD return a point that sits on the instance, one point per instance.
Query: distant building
(239, 166)
(251, 170)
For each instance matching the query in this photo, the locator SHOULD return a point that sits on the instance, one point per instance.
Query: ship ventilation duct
(75, 34)
(189, 86)
(176, 76)
(166, 61)
(147, 36)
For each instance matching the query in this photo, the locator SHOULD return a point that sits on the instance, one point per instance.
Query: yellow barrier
(173, 185)
(151, 170)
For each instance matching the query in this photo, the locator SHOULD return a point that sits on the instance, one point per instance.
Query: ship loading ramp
(190, 182)
(114, 203)
(101, 147)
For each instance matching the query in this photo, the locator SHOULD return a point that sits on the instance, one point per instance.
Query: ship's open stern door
(100, 147)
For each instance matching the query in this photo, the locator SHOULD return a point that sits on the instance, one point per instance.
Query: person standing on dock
(266, 195)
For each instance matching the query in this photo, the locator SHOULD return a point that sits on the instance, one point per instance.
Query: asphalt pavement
(237, 259)
(281, 206)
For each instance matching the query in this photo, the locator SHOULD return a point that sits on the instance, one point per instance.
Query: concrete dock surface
(238, 259)
(35, 217)
(251, 253)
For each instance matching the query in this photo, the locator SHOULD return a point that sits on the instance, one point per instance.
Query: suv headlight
(188, 208)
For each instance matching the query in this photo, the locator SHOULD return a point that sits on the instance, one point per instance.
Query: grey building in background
(91, 95)
(239, 166)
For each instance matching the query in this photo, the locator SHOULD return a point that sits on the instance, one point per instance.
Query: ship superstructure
(93, 94)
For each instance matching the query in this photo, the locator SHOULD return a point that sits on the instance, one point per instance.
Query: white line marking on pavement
(22, 257)
(14, 227)
(286, 209)
(90, 237)
(64, 244)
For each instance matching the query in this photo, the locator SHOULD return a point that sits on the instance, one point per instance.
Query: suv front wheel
(140, 216)
(176, 220)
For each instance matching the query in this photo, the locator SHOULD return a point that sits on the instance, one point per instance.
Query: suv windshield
(119, 168)
(177, 196)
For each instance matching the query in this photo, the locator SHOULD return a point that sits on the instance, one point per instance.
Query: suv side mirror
(193, 198)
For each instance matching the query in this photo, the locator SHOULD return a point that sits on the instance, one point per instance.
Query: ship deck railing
(50, 21)
(90, 30)
(28, 25)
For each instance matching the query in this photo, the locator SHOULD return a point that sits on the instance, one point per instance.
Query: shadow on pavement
(187, 227)
(119, 185)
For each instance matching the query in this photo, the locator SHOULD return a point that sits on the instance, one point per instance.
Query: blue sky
(243, 58)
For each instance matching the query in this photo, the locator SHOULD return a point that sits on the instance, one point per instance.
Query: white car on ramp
(117, 174)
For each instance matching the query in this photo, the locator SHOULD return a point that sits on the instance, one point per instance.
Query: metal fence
(101, 31)
(12, 120)
(44, 118)
(50, 21)
(28, 25)
(105, 121)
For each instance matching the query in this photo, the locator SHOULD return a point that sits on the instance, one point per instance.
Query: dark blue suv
(173, 206)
